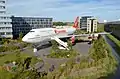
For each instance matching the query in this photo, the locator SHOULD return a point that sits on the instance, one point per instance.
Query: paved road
(112, 45)
(82, 48)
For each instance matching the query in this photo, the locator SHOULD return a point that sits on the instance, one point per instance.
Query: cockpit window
(32, 31)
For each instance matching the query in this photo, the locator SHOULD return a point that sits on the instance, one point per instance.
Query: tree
(54, 45)
(100, 27)
(6, 75)
(78, 32)
(69, 45)
(20, 35)
(59, 23)
(25, 72)
(5, 41)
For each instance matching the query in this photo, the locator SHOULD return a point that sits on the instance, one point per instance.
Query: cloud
(65, 10)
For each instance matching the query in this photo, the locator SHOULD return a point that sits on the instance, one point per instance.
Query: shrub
(9, 48)
(7, 62)
(116, 41)
(3, 49)
(58, 53)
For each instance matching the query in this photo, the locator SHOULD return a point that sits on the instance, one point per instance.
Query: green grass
(80, 32)
(63, 54)
(116, 41)
(35, 60)
(100, 28)
(5, 75)
(13, 46)
(11, 57)
(6, 58)
(20, 59)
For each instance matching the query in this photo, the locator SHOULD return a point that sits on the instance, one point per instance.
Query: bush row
(6, 48)
(12, 47)
(116, 41)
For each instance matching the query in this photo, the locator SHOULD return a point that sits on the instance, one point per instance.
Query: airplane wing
(67, 36)
(65, 45)
(82, 35)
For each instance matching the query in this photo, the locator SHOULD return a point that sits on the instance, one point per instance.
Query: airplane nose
(24, 39)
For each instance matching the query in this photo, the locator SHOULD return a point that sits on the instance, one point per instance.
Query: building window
(8, 33)
(2, 28)
(2, 7)
(50, 19)
(2, 11)
(8, 28)
(2, 33)
(2, 1)
(95, 21)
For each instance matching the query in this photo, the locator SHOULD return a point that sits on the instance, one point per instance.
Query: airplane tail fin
(76, 23)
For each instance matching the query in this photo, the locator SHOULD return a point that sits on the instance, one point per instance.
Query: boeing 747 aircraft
(42, 35)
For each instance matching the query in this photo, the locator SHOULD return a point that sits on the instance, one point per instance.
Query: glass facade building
(25, 24)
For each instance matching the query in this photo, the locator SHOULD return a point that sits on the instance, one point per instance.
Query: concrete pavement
(82, 49)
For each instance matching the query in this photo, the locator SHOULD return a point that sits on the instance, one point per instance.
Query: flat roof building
(25, 24)
(88, 23)
(113, 27)
(5, 21)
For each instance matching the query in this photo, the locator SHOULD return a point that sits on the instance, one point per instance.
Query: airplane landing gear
(35, 52)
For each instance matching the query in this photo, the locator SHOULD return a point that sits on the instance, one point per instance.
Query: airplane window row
(32, 31)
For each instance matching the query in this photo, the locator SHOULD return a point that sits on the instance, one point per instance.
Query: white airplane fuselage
(45, 34)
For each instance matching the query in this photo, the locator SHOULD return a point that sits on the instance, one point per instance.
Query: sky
(66, 10)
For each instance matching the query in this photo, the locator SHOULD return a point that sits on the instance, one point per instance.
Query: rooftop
(86, 16)
(32, 17)
(114, 22)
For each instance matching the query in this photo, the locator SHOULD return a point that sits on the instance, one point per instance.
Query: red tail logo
(76, 23)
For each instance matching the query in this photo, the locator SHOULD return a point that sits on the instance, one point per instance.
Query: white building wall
(88, 25)
(5, 21)
(95, 25)
(92, 26)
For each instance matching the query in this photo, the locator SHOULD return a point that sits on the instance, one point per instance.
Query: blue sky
(66, 10)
